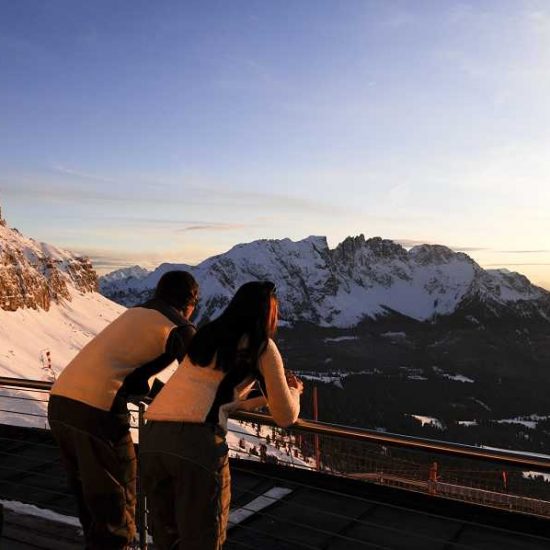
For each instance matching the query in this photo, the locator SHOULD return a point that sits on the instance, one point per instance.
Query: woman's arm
(283, 400)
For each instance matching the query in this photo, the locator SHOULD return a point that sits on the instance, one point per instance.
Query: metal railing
(491, 477)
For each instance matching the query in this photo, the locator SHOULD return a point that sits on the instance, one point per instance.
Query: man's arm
(175, 349)
(178, 341)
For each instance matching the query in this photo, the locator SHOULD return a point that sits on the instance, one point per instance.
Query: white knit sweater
(189, 394)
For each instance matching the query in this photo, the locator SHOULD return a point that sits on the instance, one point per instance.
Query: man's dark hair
(177, 288)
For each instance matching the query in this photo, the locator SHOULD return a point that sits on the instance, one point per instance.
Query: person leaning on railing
(88, 411)
(183, 452)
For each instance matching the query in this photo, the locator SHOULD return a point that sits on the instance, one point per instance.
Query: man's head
(179, 289)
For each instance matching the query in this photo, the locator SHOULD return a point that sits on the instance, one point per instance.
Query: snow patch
(340, 339)
(534, 475)
(32, 510)
(530, 421)
(269, 498)
(429, 421)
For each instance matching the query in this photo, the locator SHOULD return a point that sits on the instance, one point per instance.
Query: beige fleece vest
(98, 371)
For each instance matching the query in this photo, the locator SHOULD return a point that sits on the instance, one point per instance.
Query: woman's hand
(253, 403)
(294, 382)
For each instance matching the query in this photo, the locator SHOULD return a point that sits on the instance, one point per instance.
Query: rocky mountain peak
(34, 274)
(435, 254)
(385, 248)
(348, 248)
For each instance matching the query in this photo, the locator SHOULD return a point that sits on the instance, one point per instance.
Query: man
(88, 412)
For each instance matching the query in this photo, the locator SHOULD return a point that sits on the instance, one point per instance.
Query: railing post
(432, 479)
(316, 436)
(141, 509)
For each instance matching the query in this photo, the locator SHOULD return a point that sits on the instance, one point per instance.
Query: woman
(183, 449)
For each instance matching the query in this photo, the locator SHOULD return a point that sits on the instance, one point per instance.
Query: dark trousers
(185, 473)
(102, 474)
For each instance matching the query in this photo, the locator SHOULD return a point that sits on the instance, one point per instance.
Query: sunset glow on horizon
(142, 133)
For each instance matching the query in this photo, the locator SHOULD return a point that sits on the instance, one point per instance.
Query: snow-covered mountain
(121, 278)
(357, 280)
(49, 307)
(35, 275)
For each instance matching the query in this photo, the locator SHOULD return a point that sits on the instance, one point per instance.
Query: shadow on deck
(274, 507)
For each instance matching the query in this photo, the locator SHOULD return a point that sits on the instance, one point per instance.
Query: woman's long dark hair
(252, 313)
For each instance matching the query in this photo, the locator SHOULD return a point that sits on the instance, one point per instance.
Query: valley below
(476, 385)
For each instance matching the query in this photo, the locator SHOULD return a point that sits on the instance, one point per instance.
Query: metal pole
(316, 436)
(141, 505)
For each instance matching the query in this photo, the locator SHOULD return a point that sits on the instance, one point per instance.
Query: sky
(138, 132)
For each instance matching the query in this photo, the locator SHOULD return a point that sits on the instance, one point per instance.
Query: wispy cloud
(214, 227)
(106, 260)
(176, 224)
(409, 243)
(61, 169)
(516, 264)
(264, 199)
(467, 248)
(45, 191)
(178, 193)
(524, 251)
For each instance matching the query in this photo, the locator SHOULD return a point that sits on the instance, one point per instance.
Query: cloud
(517, 264)
(106, 260)
(524, 251)
(467, 248)
(264, 200)
(175, 224)
(61, 169)
(176, 193)
(409, 243)
(214, 227)
(111, 257)
(55, 192)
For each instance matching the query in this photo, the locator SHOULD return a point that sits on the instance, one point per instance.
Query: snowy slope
(26, 335)
(358, 279)
(48, 311)
(48, 305)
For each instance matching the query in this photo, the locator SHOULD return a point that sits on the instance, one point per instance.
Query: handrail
(505, 457)
(502, 456)
(24, 383)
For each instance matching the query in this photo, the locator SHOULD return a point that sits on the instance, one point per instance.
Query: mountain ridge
(36, 275)
(360, 279)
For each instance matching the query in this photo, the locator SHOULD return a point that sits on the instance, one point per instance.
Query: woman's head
(251, 313)
(254, 308)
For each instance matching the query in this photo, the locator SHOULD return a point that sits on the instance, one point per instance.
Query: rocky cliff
(33, 274)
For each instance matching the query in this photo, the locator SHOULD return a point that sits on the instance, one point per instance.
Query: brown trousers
(185, 473)
(102, 474)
